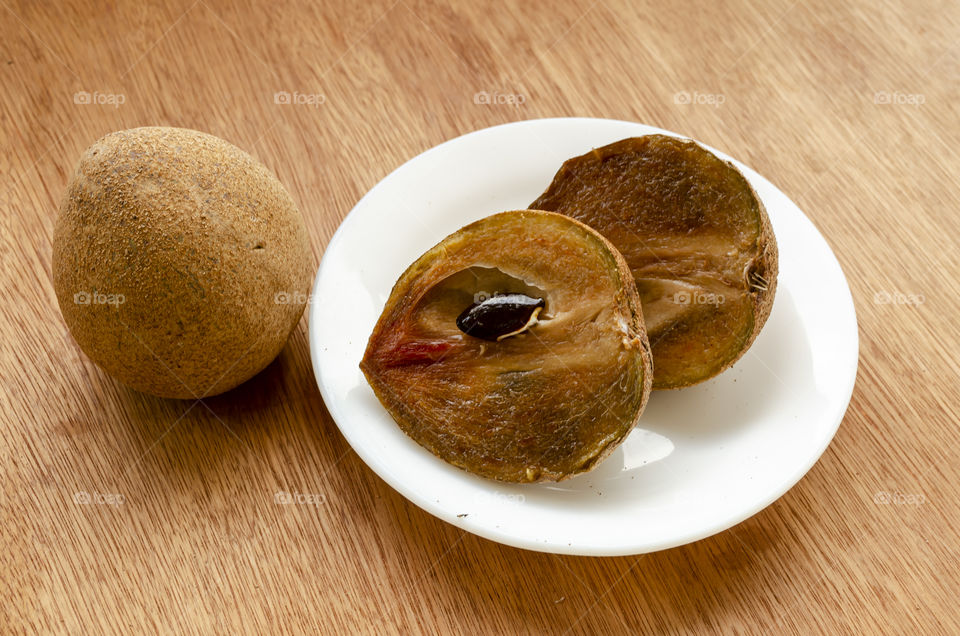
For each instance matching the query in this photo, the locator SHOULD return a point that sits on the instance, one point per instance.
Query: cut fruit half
(514, 348)
(696, 237)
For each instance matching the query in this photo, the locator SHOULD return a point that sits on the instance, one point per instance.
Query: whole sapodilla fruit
(180, 263)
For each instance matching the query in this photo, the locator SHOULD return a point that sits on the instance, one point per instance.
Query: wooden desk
(852, 110)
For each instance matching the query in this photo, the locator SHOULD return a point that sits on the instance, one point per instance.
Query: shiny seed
(500, 316)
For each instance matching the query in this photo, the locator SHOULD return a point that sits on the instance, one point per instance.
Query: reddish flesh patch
(416, 352)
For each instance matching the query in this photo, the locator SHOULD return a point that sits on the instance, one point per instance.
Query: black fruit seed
(500, 316)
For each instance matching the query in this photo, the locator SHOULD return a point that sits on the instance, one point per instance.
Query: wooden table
(852, 110)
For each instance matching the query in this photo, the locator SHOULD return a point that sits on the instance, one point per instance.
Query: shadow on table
(253, 428)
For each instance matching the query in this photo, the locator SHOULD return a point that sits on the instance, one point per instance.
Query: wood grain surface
(851, 108)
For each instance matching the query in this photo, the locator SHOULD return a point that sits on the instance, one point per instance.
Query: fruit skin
(180, 263)
(678, 189)
(515, 411)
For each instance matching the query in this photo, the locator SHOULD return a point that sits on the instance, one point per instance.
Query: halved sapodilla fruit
(696, 237)
(514, 348)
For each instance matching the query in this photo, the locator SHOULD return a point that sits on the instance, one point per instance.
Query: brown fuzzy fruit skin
(543, 405)
(180, 263)
(696, 237)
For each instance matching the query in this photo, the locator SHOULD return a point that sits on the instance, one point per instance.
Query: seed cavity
(758, 282)
(500, 316)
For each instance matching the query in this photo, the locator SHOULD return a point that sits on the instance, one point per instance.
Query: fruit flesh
(543, 404)
(696, 238)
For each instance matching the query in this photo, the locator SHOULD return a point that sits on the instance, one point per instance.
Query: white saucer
(702, 458)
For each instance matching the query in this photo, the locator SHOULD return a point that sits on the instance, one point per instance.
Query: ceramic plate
(701, 460)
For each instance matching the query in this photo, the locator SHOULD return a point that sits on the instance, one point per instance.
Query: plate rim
(491, 532)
